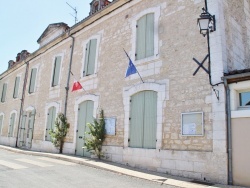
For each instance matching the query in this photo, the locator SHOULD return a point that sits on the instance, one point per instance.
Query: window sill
(89, 77)
(147, 59)
(240, 113)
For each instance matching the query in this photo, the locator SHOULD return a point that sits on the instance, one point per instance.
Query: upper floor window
(4, 90)
(90, 57)
(244, 98)
(145, 36)
(16, 87)
(32, 80)
(56, 71)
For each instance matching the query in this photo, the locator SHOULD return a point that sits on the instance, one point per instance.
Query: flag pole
(134, 65)
(75, 79)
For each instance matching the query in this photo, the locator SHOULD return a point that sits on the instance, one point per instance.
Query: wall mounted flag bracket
(201, 65)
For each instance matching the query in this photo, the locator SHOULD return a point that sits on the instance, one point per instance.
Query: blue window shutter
(32, 80)
(4, 90)
(56, 74)
(16, 87)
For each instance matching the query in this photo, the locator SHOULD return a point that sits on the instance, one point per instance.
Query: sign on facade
(110, 126)
(192, 124)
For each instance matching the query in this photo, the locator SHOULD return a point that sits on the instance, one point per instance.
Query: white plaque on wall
(110, 126)
(192, 124)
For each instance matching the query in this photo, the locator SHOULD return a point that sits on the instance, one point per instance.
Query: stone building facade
(183, 126)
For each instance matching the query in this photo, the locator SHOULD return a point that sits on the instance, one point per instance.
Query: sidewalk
(121, 169)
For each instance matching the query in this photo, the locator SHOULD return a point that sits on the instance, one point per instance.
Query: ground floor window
(51, 116)
(143, 120)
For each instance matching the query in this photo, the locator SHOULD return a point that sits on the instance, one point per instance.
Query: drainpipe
(22, 100)
(70, 64)
(229, 134)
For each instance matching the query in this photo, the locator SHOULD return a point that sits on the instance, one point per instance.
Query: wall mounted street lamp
(206, 22)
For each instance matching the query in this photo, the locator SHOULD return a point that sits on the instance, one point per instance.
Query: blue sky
(23, 22)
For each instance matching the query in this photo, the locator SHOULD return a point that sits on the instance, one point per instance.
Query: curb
(118, 168)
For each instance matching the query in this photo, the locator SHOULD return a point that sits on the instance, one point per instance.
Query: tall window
(4, 89)
(145, 36)
(143, 120)
(1, 123)
(51, 116)
(32, 80)
(12, 124)
(16, 87)
(90, 57)
(56, 71)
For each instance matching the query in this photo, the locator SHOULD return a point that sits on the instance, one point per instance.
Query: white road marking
(34, 162)
(12, 165)
(58, 161)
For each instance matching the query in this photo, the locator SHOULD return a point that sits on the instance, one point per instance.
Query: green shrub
(60, 131)
(96, 133)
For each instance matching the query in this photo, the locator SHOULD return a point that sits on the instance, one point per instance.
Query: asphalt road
(26, 171)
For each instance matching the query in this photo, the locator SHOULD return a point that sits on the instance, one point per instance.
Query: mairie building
(185, 112)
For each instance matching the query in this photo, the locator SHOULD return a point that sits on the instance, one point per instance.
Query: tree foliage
(96, 133)
(60, 131)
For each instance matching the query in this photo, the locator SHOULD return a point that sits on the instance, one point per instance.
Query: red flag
(76, 86)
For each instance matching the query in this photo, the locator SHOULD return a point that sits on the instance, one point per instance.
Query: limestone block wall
(11, 104)
(237, 23)
(169, 72)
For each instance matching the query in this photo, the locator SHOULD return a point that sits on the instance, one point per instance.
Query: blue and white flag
(131, 67)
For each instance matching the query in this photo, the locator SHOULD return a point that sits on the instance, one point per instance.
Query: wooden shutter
(81, 128)
(22, 130)
(145, 37)
(56, 73)
(86, 61)
(140, 38)
(150, 35)
(136, 120)
(1, 124)
(150, 119)
(3, 98)
(89, 119)
(12, 123)
(143, 121)
(32, 80)
(90, 57)
(50, 122)
(30, 127)
(16, 87)
(53, 118)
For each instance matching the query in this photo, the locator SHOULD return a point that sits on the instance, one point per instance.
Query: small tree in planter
(96, 133)
(60, 131)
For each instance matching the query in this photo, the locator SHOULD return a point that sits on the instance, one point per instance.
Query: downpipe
(68, 79)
